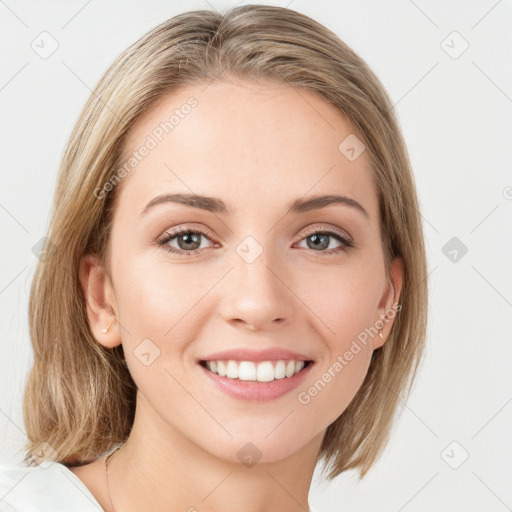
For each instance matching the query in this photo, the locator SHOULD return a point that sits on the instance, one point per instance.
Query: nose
(257, 295)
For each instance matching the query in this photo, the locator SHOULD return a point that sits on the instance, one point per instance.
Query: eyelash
(335, 233)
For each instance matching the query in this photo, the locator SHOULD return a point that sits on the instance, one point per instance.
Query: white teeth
(290, 368)
(265, 371)
(247, 370)
(280, 370)
(221, 369)
(232, 370)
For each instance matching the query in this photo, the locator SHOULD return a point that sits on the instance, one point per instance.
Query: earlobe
(97, 291)
(388, 305)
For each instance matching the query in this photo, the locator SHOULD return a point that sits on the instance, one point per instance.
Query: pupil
(186, 237)
(321, 241)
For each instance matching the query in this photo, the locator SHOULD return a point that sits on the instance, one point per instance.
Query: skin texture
(257, 146)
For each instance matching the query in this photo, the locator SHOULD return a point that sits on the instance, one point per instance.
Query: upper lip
(246, 354)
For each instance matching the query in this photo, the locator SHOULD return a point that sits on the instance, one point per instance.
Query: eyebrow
(216, 205)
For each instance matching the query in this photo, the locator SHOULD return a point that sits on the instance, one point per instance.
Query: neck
(160, 469)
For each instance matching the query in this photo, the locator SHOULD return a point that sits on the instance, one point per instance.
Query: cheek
(157, 305)
(345, 359)
(345, 300)
(162, 308)
(335, 384)
(157, 298)
(346, 308)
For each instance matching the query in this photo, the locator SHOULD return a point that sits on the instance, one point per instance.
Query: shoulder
(44, 488)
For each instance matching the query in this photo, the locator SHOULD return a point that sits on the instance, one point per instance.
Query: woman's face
(255, 274)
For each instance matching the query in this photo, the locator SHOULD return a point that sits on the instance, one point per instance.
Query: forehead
(242, 141)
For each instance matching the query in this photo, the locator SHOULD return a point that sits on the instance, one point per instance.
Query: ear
(387, 310)
(99, 298)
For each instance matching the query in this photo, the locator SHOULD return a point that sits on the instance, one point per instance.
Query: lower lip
(257, 391)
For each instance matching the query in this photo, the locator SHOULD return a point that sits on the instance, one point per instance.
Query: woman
(234, 285)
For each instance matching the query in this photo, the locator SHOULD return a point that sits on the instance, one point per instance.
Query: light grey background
(455, 112)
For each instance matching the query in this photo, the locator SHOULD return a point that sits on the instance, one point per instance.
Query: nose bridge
(256, 294)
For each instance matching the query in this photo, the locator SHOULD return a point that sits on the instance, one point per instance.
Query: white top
(49, 487)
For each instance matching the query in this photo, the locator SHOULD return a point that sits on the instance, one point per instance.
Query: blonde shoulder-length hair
(80, 398)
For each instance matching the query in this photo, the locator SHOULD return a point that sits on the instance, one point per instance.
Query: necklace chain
(107, 462)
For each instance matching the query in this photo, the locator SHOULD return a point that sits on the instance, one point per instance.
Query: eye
(188, 241)
(321, 239)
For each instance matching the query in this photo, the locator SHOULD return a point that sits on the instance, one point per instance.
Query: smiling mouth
(262, 371)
